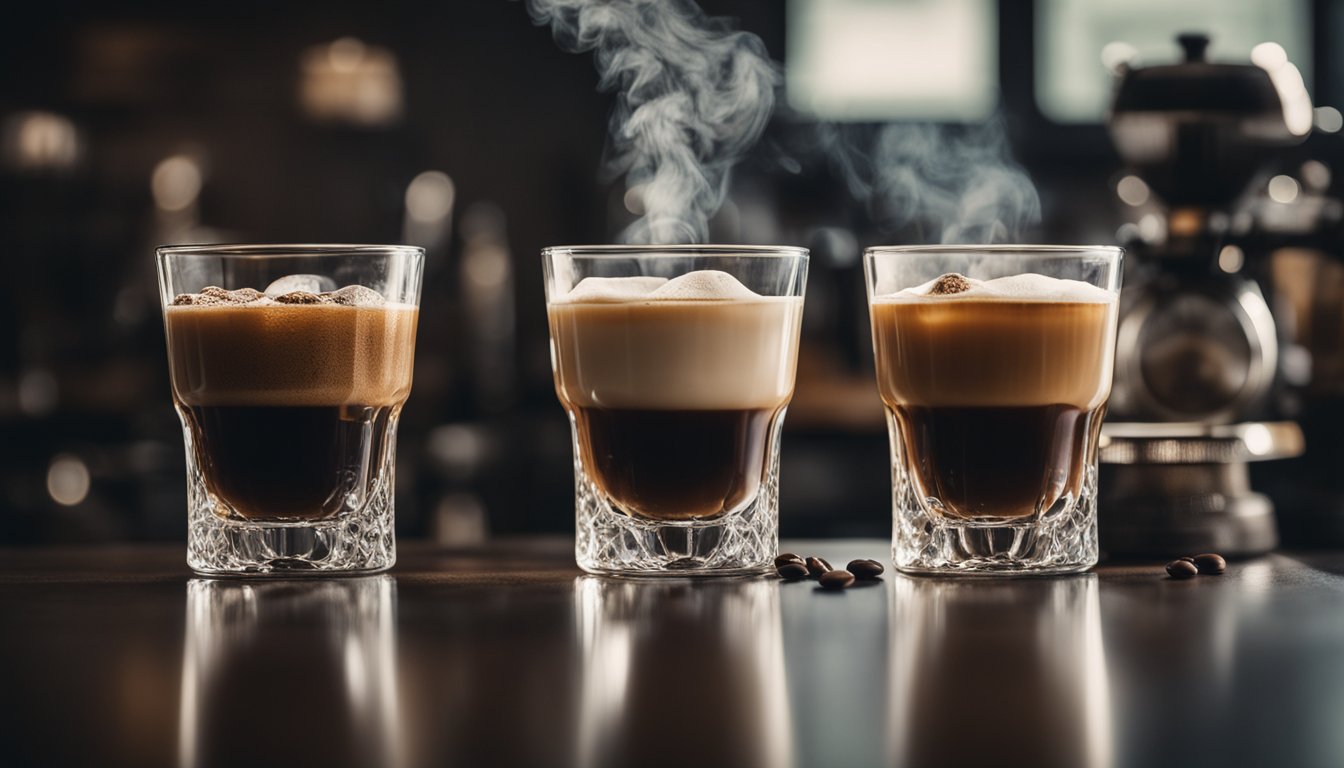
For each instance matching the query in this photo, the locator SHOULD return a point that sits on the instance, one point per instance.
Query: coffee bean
(865, 569)
(836, 579)
(1181, 569)
(817, 566)
(1210, 564)
(785, 558)
(792, 571)
(1187, 559)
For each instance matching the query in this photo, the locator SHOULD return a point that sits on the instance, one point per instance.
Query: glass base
(220, 543)
(1061, 540)
(610, 542)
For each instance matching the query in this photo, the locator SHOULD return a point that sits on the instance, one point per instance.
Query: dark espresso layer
(289, 462)
(676, 465)
(997, 463)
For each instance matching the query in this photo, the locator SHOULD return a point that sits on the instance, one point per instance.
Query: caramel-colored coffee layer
(676, 355)
(993, 352)
(291, 354)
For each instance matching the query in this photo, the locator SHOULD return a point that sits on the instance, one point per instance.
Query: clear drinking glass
(289, 366)
(995, 388)
(675, 365)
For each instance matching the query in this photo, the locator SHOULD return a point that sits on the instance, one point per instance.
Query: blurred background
(462, 127)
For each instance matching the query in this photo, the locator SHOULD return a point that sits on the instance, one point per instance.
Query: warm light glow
(1269, 56)
(176, 183)
(345, 54)
(429, 197)
(486, 266)
(1151, 228)
(1231, 259)
(38, 392)
(1297, 112)
(35, 140)
(1132, 191)
(1258, 439)
(1185, 222)
(351, 81)
(1329, 119)
(1283, 189)
(48, 139)
(1315, 175)
(67, 480)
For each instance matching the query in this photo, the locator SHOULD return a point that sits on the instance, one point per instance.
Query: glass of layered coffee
(994, 363)
(675, 365)
(289, 367)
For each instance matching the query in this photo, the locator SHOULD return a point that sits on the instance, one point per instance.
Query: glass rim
(681, 249)
(1024, 249)
(286, 250)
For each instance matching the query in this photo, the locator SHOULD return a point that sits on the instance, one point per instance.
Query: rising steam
(693, 96)
(956, 184)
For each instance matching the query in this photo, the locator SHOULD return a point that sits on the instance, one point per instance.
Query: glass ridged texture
(289, 401)
(675, 375)
(994, 393)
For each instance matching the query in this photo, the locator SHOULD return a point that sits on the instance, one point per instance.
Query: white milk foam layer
(1028, 286)
(701, 341)
(700, 285)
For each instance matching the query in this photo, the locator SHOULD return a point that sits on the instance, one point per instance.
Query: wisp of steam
(693, 95)
(956, 184)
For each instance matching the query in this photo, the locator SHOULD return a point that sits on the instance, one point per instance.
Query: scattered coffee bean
(1209, 564)
(788, 557)
(836, 579)
(817, 566)
(792, 571)
(1187, 559)
(865, 569)
(1181, 569)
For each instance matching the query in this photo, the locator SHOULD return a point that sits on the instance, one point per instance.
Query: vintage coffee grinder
(1198, 354)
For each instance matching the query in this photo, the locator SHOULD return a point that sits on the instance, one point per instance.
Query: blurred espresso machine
(1200, 357)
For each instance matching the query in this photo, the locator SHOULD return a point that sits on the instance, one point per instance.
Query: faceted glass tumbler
(675, 365)
(289, 367)
(994, 364)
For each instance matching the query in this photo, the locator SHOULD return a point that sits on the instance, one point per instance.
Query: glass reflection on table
(320, 652)
(1010, 672)
(678, 673)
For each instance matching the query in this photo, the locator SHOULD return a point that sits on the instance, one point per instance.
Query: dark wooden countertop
(508, 656)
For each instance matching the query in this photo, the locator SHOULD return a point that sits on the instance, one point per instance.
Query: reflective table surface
(508, 656)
